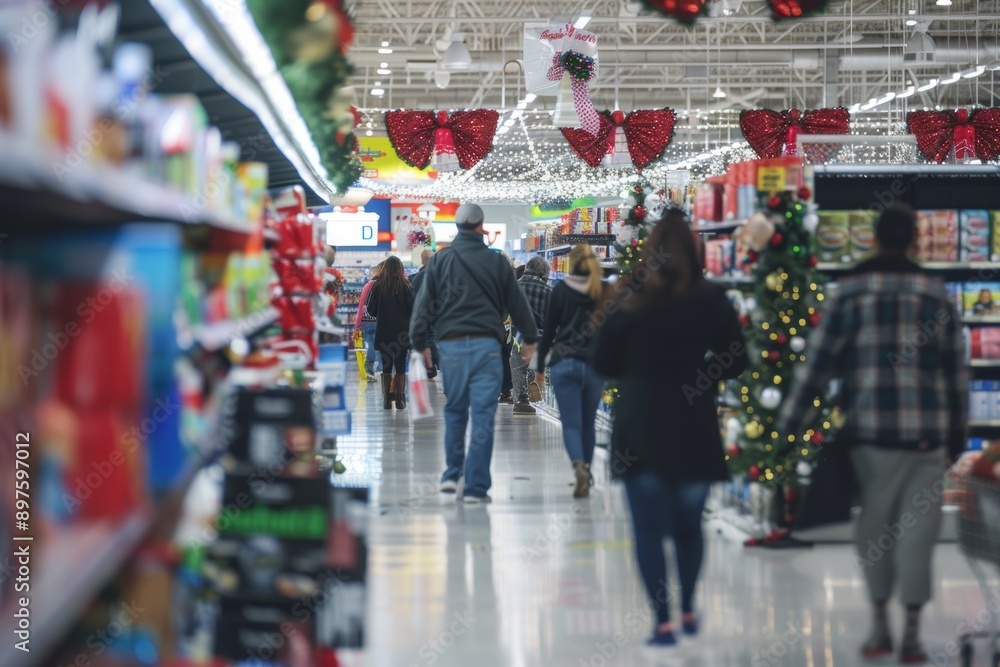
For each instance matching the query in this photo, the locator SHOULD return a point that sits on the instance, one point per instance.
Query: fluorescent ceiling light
(378, 83)
(911, 22)
(855, 108)
(378, 92)
(582, 22)
(383, 72)
(994, 66)
(930, 85)
(522, 105)
(872, 103)
(974, 72)
(906, 93)
(943, 3)
(442, 79)
(519, 113)
(509, 122)
(385, 51)
(719, 93)
(368, 133)
(951, 79)
(457, 56)
(912, 12)
(531, 97)
(383, 65)
(888, 97)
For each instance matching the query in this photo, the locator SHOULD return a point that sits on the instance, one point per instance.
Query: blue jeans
(373, 357)
(665, 508)
(578, 390)
(472, 377)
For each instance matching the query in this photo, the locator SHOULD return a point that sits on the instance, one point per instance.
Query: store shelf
(718, 227)
(732, 280)
(916, 169)
(36, 196)
(836, 267)
(981, 319)
(984, 363)
(66, 576)
(983, 423)
(229, 47)
(216, 335)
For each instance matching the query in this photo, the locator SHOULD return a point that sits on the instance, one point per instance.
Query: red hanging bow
(794, 9)
(648, 133)
(772, 134)
(975, 134)
(413, 134)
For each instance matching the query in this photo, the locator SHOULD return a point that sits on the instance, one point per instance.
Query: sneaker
(690, 625)
(912, 653)
(371, 378)
(662, 639)
(476, 500)
(523, 408)
(534, 392)
(505, 399)
(450, 485)
(875, 650)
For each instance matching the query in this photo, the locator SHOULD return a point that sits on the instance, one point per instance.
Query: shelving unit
(216, 335)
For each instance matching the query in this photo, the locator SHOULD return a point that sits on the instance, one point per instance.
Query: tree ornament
(773, 281)
(817, 438)
(803, 469)
(773, 356)
(772, 134)
(752, 255)
(655, 203)
(574, 70)
(782, 339)
(812, 261)
(770, 397)
(810, 222)
(798, 343)
(635, 243)
(756, 232)
(967, 136)
(734, 451)
(744, 319)
(804, 193)
(753, 429)
(754, 472)
(640, 211)
(814, 319)
(777, 240)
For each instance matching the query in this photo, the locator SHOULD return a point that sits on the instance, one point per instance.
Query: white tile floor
(538, 579)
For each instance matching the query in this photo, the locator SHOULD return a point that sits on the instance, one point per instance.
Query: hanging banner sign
(381, 164)
(542, 41)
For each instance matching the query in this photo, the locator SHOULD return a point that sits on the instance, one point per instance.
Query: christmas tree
(645, 207)
(786, 306)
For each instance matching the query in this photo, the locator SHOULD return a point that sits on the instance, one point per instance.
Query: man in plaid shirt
(894, 339)
(535, 286)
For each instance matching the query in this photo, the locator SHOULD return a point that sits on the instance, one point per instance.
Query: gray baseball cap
(469, 216)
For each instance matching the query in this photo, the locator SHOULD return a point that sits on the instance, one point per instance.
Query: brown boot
(387, 391)
(582, 488)
(400, 381)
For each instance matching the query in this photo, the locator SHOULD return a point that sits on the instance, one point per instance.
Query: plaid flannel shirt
(537, 291)
(895, 340)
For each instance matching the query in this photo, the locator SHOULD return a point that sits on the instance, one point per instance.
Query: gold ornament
(753, 429)
(837, 418)
(773, 281)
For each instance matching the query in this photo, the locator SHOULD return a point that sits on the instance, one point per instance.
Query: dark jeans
(508, 379)
(394, 359)
(666, 508)
(578, 390)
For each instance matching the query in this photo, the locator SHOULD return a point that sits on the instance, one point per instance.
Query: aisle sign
(380, 163)
(771, 179)
(351, 228)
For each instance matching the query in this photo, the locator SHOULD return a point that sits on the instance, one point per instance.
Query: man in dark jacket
(535, 286)
(892, 336)
(416, 281)
(465, 296)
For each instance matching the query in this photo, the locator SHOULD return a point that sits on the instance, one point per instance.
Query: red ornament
(635, 244)
(794, 9)
(647, 132)
(754, 472)
(812, 261)
(773, 356)
(734, 451)
(804, 193)
(782, 339)
(777, 239)
(975, 134)
(413, 134)
(774, 202)
(752, 255)
(772, 134)
(814, 319)
(744, 320)
(817, 438)
(685, 11)
(640, 211)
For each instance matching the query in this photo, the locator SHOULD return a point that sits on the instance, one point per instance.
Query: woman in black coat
(391, 303)
(669, 341)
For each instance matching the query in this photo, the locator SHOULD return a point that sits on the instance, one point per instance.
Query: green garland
(314, 87)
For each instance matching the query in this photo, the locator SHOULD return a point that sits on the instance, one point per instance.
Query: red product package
(97, 344)
(295, 313)
(296, 236)
(103, 480)
(298, 276)
(308, 338)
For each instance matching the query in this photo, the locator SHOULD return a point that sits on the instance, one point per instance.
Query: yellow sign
(770, 179)
(380, 163)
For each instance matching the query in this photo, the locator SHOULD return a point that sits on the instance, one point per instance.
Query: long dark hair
(392, 277)
(669, 265)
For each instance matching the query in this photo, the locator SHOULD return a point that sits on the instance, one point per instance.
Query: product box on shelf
(995, 235)
(975, 234)
(981, 299)
(272, 428)
(284, 631)
(833, 236)
(943, 226)
(266, 567)
(984, 343)
(862, 233)
(708, 203)
(979, 400)
(285, 507)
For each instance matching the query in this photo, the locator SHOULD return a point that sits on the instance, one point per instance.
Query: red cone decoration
(968, 135)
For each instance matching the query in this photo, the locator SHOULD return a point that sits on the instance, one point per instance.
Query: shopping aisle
(537, 578)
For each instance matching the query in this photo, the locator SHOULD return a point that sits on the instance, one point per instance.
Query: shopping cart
(979, 540)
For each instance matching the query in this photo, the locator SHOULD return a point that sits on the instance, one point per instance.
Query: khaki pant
(900, 518)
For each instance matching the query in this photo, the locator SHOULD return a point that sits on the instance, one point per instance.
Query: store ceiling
(849, 54)
(182, 75)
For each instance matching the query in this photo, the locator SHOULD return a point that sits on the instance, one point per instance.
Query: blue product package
(332, 353)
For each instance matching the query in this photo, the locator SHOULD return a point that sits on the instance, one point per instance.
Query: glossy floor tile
(539, 579)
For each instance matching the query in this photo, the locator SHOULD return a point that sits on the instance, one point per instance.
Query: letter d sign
(367, 232)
